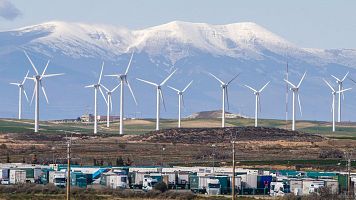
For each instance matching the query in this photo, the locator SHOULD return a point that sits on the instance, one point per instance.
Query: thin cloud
(8, 10)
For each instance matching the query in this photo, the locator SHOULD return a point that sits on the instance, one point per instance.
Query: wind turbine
(159, 95)
(225, 96)
(37, 78)
(295, 90)
(258, 103)
(21, 90)
(333, 102)
(340, 83)
(97, 87)
(180, 100)
(123, 81)
(109, 103)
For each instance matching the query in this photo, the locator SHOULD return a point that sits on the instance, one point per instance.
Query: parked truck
(213, 186)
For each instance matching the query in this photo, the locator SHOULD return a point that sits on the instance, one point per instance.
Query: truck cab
(59, 179)
(149, 183)
(278, 189)
(213, 187)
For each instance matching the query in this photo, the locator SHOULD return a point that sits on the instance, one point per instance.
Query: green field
(145, 125)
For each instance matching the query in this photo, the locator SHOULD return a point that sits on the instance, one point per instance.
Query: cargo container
(296, 187)
(251, 181)
(264, 181)
(5, 174)
(312, 186)
(343, 182)
(333, 185)
(17, 176)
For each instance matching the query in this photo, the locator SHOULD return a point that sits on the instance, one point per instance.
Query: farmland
(314, 146)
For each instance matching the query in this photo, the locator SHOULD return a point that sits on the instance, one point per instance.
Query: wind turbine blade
(259, 102)
(227, 99)
(147, 82)
(44, 92)
(300, 106)
(102, 94)
(173, 88)
(250, 88)
(165, 80)
(301, 80)
(24, 92)
(329, 85)
(17, 84)
(113, 75)
(233, 79)
(110, 100)
(115, 88)
(344, 90)
(336, 78)
(345, 77)
(289, 83)
(133, 96)
(161, 95)
(101, 73)
(33, 94)
(217, 78)
(105, 88)
(182, 99)
(29, 59)
(44, 71)
(30, 78)
(186, 87)
(352, 80)
(89, 86)
(24, 79)
(264, 86)
(51, 75)
(128, 66)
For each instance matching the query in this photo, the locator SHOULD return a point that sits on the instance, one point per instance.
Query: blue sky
(307, 23)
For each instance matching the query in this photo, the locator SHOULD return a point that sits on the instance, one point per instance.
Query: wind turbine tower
(225, 96)
(97, 87)
(21, 90)
(123, 81)
(159, 95)
(334, 92)
(295, 90)
(180, 100)
(340, 83)
(38, 78)
(258, 102)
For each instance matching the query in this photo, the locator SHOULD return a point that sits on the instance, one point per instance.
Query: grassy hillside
(344, 131)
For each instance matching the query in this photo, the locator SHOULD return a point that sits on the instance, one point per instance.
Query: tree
(7, 157)
(120, 161)
(94, 162)
(161, 186)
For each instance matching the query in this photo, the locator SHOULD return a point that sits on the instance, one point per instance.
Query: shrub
(161, 186)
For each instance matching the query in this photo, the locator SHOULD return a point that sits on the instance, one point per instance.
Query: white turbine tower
(258, 103)
(97, 87)
(334, 92)
(159, 95)
(37, 78)
(340, 84)
(109, 103)
(295, 90)
(123, 81)
(180, 100)
(21, 90)
(225, 96)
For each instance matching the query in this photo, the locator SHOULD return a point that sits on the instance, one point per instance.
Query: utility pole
(233, 171)
(69, 144)
(213, 145)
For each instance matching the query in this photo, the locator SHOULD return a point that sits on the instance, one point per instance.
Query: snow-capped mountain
(194, 48)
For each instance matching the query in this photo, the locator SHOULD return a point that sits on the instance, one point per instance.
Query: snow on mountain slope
(174, 41)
